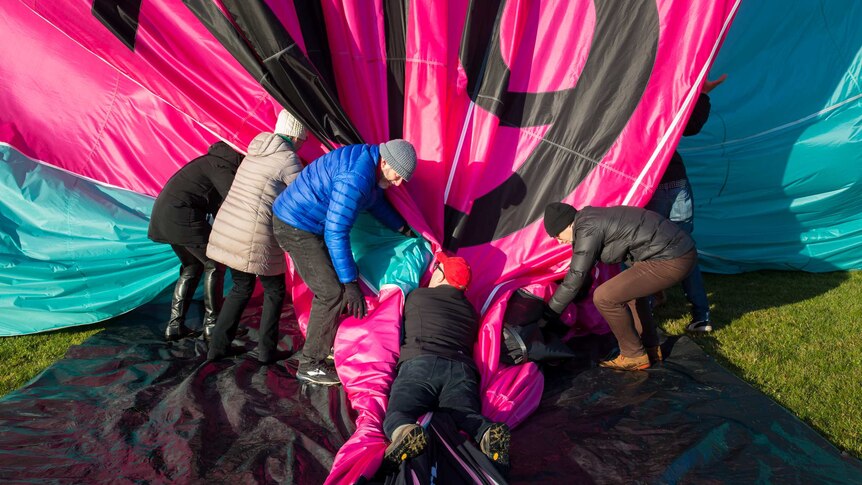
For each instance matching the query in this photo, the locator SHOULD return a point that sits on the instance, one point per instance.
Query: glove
(552, 323)
(354, 301)
(550, 316)
(407, 231)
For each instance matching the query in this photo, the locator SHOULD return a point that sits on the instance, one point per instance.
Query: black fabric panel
(223, 30)
(395, 21)
(282, 69)
(684, 421)
(120, 17)
(614, 77)
(127, 407)
(313, 26)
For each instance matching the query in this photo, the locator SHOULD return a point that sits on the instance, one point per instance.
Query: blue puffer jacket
(327, 197)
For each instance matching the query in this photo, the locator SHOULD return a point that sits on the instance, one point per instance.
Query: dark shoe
(182, 298)
(654, 354)
(627, 363)
(495, 444)
(408, 441)
(176, 330)
(213, 295)
(320, 374)
(699, 326)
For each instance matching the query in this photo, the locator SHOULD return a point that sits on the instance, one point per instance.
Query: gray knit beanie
(401, 156)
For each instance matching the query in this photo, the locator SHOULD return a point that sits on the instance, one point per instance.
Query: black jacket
(439, 321)
(195, 191)
(614, 235)
(675, 169)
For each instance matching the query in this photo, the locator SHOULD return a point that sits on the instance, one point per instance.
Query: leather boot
(184, 291)
(213, 295)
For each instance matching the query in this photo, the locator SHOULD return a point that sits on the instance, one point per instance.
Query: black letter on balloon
(120, 17)
(585, 120)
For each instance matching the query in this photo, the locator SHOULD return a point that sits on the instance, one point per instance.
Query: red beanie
(456, 270)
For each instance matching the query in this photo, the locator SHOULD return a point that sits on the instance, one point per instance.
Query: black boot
(213, 295)
(183, 293)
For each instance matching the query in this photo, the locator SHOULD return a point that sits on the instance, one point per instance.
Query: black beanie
(558, 216)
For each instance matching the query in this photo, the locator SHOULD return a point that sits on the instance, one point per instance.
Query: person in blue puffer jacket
(312, 223)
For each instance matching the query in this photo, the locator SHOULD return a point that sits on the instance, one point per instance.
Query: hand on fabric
(550, 316)
(354, 301)
(407, 231)
(710, 85)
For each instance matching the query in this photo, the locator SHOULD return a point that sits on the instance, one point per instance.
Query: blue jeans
(677, 204)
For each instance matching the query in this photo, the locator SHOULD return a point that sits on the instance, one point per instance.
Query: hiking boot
(319, 373)
(408, 441)
(627, 363)
(654, 354)
(699, 326)
(495, 444)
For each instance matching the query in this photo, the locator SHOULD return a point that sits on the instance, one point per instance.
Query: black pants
(191, 255)
(235, 303)
(431, 383)
(310, 256)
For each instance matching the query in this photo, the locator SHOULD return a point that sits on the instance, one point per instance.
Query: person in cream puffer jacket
(242, 237)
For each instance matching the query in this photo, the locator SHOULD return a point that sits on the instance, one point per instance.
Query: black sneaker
(699, 326)
(495, 444)
(408, 441)
(320, 374)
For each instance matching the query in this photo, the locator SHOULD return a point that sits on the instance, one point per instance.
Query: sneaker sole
(320, 382)
(498, 444)
(411, 445)
(699, 329)
(614, 367)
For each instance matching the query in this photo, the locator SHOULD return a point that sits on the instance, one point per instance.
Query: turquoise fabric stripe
(777, 170)
(72, 251)
(385, 257)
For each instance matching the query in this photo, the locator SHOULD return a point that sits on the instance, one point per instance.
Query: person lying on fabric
(242, 236)
(312, 223)
(659, 254)
(436, 371)
(180, 218)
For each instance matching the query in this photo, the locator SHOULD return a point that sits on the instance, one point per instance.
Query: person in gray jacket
(659, 255)
(242, 237)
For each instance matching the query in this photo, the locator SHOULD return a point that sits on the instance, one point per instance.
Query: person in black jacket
(659, 254)
(673, 199)
(436, 370)
(180, 217)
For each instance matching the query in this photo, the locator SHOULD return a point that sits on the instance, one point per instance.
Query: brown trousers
(615, 298)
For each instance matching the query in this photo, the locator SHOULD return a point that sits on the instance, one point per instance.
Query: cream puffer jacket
(242, 235)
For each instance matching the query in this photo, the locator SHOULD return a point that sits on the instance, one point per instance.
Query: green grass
(22, 358)
(792, 335)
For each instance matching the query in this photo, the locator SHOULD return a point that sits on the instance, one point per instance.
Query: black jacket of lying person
(659, 255)
(436, 371)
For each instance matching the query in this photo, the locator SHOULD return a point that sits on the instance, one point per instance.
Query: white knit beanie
(288, 125)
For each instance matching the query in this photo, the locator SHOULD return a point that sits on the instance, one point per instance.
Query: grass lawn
(21, 358)
(792, 335)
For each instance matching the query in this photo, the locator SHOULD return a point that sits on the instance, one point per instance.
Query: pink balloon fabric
(133, 117)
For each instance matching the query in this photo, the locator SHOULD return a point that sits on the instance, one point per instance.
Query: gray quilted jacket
(241, 236)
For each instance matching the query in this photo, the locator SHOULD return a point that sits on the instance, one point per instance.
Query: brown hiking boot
(495, 444)
(627, 363)
(654, 354)
(408, 441)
